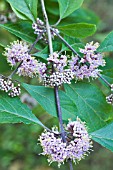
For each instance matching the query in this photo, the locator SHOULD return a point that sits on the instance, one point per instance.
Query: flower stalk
(56, 87)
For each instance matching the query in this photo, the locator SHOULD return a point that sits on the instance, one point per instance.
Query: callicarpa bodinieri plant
(50, 48)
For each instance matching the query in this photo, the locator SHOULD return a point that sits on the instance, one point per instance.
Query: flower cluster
(59, 68)
(7, 86)
(87, 66)
(66, 69)
(109, 99)
(111, 87)
(18, 52)
(78, 143)
(40, 28)
(60, 75)
(57, 78)
(11, 17)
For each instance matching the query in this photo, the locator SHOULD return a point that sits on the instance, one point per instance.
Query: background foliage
(18, 143)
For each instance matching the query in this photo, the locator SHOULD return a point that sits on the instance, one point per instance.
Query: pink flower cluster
(9, 87)
(78, 143)
(87, 66)
(59, 68)
(18, 52)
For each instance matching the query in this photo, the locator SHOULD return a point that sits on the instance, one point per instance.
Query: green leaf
(104, 136)
(107, 44)
(22, 30)
(26, 7)
(79, 30)
(91, 104)
(19, 14)
(33, 6)
(45, 97)
(68, 6)
(13, 111)
(81, 15)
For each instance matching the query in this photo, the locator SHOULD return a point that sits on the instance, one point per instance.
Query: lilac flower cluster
(57, 78)
(109, 99)
(78, 143)
(8, 86)
(39, 28)
(77, 67)
(60, 75)
(59, 68)
(18, 52)
(87, 66)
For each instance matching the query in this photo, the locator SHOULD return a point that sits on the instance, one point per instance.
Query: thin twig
(66, 43)
(70, 164)
(104, 80)
(59, 113)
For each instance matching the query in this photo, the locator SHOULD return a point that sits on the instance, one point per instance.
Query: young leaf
(45, 97)
(79, 30)
(26, 7)
(104, 136)
(19, 29)
(68, 6)
(91, 104)
(107, 44)
(13, 111)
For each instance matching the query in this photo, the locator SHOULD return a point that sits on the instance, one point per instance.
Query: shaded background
(18, 142)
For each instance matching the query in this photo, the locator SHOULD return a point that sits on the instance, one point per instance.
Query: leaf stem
(51, 53)
(66, 43)
(59, 20)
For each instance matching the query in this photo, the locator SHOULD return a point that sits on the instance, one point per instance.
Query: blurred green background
(19, 149)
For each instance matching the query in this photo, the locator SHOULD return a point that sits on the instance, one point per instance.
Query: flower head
(7, 85)
(87, 66)
(77, 145)
(28, 67)
(109, 99)
(16, 52)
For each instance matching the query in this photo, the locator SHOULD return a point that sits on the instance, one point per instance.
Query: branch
(51, 53)
(56, 87)
(109, 85)
(66, 43)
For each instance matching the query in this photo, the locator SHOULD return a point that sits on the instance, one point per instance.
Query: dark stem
(66, 43)
(104, 80)
(70, 164)
(55, 88)
(59, 112)
(16, 69)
